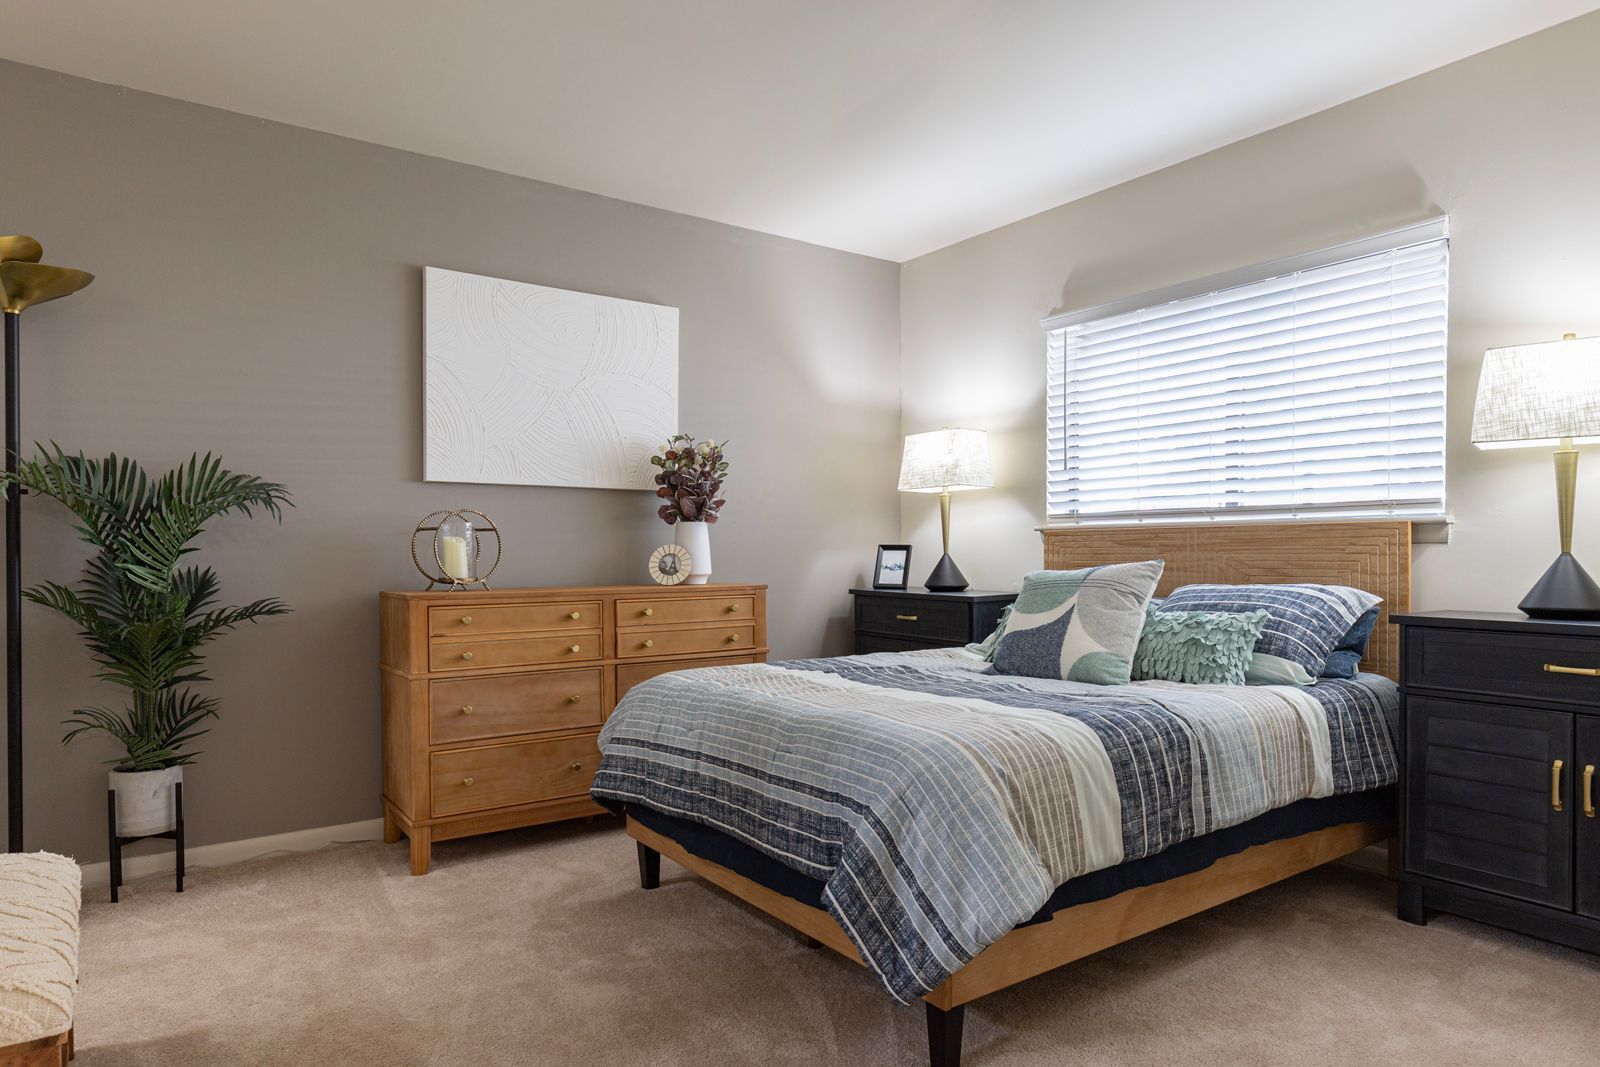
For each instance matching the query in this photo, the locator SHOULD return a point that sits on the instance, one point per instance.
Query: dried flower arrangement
(690, 478)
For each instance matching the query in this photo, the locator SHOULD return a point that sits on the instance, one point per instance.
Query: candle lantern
(454, 555)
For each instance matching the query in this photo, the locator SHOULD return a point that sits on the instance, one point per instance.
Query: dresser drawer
(514, 618)
(631, 674)
(913, 617)
(1503, 664)
(640, 643)
(634, 614)
(512, 652)
(468, 709)
(475, 779)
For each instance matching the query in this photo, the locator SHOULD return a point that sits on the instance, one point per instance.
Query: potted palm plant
(143, 616)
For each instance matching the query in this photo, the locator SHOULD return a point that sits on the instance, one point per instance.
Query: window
(1306, 387)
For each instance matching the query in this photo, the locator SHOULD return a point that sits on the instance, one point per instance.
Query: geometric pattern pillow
(1079, 626)
(1305, 622)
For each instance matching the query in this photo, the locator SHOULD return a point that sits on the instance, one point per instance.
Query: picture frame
(893, 567)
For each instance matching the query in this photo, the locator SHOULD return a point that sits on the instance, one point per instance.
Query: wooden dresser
(492, 700)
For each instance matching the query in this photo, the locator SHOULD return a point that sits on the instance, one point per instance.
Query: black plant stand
(175, 834)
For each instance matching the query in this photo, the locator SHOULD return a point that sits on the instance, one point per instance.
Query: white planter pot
(696, 537)
(146, 801)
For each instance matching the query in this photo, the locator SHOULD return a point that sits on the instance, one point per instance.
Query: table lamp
(944, 462)
(1546, 394)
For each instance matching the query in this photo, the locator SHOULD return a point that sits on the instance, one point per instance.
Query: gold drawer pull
(466, 709)
(1587, 672)
(733, 607)
(1555, 786)
(466, 655)
(574, 614)
(577, 766)
(906, 618)
(733, 637)
(649, 644)
(576, 648)
(648, 611)
(466, 781)
(466, 620)
(574, 699)
(1588, 791)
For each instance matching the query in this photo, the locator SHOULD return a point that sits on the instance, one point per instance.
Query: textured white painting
(528, 385)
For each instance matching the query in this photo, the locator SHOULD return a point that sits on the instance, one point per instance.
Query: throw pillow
(1200, 647)
(1079, 626)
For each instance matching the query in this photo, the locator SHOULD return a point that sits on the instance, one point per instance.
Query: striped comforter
(942, 804)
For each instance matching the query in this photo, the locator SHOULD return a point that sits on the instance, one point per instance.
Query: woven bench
(39, 896)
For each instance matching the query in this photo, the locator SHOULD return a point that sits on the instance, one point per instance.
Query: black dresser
(896, 620)
(1500, 741)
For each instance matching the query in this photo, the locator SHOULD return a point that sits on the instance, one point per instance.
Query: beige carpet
(538, 947)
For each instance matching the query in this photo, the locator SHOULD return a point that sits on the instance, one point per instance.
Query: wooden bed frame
(1375, 556)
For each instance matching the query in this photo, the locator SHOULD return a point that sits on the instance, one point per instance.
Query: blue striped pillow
(1304, 622)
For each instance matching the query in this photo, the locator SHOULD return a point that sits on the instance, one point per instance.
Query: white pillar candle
(453, 554)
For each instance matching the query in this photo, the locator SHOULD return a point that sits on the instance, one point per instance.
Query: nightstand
(898, 620)
(1500, 741)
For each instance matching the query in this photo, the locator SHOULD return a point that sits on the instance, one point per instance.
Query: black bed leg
(1409, 906)
(944, 1036)
(649, 866)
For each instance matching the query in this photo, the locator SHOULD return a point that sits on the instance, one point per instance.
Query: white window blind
(1315, 387)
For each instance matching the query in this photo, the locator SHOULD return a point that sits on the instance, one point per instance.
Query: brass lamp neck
(1566, 489)
(944, 518)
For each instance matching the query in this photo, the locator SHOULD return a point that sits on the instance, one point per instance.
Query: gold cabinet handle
(1588, 791)
(574, 699)
(466, 620)
(1587, 672)
(576, 648)
(466, 655)
(733, 608)
(649, 644)
(732, 638)
(648, 611)
(466, 781)
(577, 766)
(906, 618)
(574, 614)
(1555, 786)
(466, 709)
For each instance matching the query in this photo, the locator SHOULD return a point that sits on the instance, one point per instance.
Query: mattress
(941, 805)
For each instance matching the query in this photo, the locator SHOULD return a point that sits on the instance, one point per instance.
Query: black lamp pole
(24, 282)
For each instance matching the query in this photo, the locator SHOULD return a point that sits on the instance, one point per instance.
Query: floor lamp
(24, 282)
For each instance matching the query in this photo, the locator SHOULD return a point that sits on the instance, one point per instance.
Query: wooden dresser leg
(72, 1048)
(391, 829)
(649, 866)
(944, 1036)
(421, 848)
(1409, 906)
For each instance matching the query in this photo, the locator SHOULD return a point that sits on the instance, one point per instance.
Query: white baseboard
(226, 852)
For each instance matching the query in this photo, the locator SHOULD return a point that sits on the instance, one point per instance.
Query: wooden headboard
(1375, 556)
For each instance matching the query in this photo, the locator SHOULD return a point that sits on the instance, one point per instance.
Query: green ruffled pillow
(1200, 647)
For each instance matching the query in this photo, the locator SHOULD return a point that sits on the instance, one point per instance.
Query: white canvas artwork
(529, 385)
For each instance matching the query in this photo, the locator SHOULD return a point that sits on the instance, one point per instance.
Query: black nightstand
(1500, 741)
(895, 620)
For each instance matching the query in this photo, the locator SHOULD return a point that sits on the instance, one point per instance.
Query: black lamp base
(1565, 592)
(946, 577)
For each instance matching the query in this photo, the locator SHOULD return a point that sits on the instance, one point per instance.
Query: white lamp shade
(946, 460)
(1538, 394)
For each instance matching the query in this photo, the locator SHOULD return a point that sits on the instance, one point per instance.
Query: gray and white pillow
(1305, 622)
(1079, 626)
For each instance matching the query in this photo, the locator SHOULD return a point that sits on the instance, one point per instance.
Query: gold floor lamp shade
(24, 283)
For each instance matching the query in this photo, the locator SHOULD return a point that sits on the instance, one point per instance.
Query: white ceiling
(890, 127)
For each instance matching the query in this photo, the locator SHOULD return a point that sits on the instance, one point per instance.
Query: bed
(957, 832)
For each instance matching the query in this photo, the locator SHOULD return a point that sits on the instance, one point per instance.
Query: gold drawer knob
(577, 766)
(733, 607)
(1587, 672)
(906, 618)
(466, 709)
(466, 655)
(466, 620)
(466, 781)
(575, 648)
(574, 699)
(574, 614)
(649, 644)
(733, 637)
(648, 611)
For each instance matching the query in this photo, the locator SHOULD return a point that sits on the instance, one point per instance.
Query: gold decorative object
(669, 565)
(455, 550)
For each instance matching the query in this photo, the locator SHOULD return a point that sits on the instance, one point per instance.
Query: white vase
(696, 538)
(146, 801)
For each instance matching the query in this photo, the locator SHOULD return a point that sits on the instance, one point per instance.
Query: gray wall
(1503, 141)
(259, 295)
